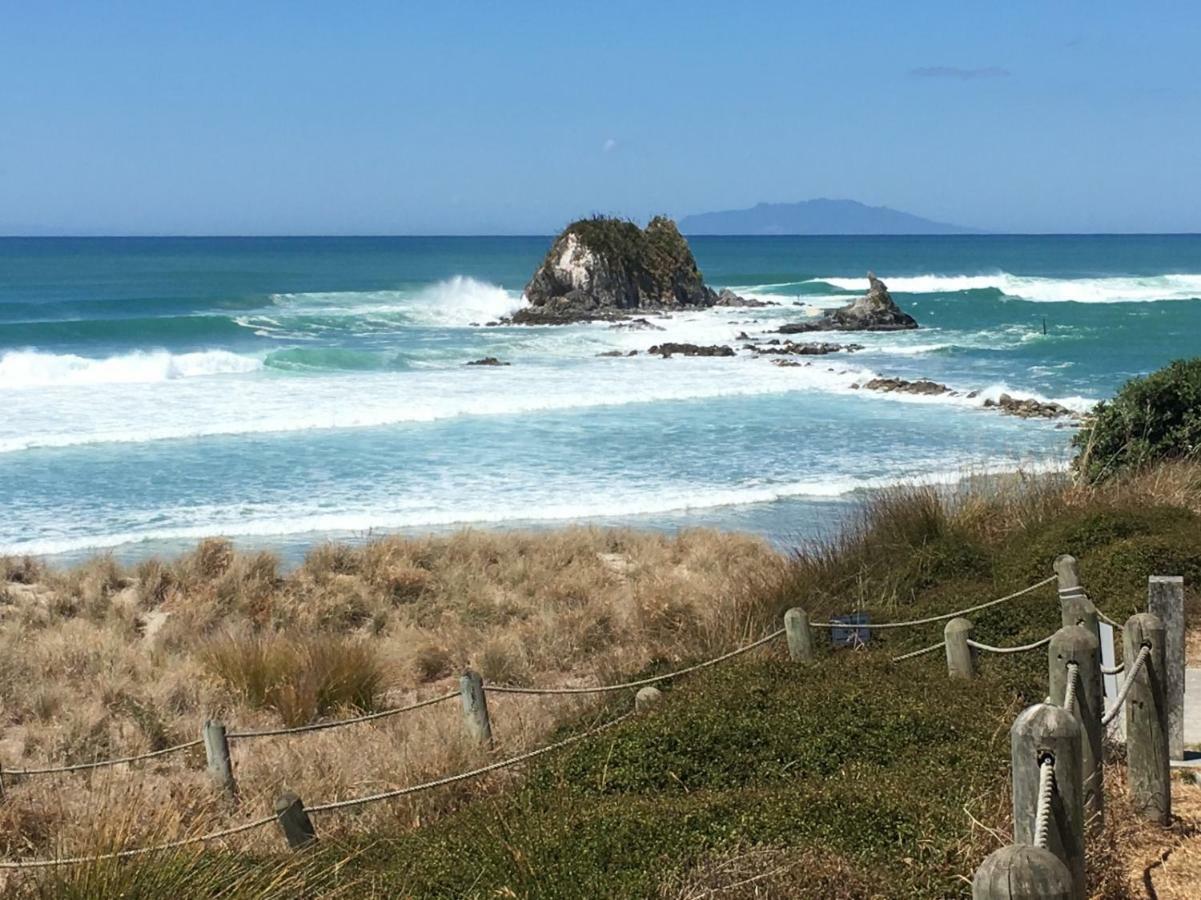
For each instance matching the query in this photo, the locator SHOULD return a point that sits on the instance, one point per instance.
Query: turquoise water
(283, 391)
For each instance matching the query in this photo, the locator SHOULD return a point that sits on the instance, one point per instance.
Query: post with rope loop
(1019, 872)
(1165, 600)
(1077, 646)
(216, 750)
(294, 822)
(475, 707)
(1147, 760)
(1075, 607)
(961, 658)
(1040, 732)
(799, 634)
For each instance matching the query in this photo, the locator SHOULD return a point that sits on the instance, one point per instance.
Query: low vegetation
(1153, 418)
(860, 777)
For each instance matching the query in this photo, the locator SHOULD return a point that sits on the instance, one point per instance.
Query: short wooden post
(1047, 730)
(1021, 872)
(475, 707)
(1076, 644)
(646, 698)
(1165, 599)
(1147, 752)
(1067, 573)
(294, 821)
(799, 634)
(961, 659)
(216, 749)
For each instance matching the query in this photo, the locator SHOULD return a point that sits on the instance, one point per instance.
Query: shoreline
(785, 522)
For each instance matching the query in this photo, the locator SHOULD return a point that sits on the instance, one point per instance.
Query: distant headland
(821, 216)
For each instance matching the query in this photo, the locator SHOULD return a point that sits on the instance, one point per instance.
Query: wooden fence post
(1076, 644)
(1020, 872)
(475, 707)
(961, 659)
(1067, 574)
(294, 821)
(1147, 756)
(216, 749)
(799, 634)
(1039, 731)
(1165, 599)
(646, 698)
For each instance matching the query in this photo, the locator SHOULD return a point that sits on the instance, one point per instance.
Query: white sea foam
(459, 300)
(33, 368)
(1123, 289)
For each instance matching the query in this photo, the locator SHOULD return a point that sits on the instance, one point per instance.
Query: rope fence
(1046, 791)
(1048, 799)
(1003, 650)
(1139, 662)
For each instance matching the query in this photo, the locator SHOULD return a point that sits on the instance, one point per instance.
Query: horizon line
(531, 234)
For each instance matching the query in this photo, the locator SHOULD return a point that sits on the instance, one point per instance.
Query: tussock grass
(102, 660)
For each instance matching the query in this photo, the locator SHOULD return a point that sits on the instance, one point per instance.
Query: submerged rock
(669, 349)
(874, 311)
(618, 353)
(488, 361)
(638, 325)
(605, 268)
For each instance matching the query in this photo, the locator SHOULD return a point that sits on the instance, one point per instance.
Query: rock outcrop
(1030, 409)
(874, 311)
(793, 348)
(921, 386)
(668, 350)
(488, 361)
(605, 268)
(728, 298)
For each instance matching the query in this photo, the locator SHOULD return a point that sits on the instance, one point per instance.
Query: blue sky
(443, 117)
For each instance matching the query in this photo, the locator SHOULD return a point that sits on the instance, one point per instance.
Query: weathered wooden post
(475, 707)
(1067, 574)
(216, 750)
(799, 635)
(646, 698)
(1021, 872)
(1039, 732)
(1147, 751)
(1074, 604)
(1076, 644)
(961, 659)
(1165, 599)
(294, 821)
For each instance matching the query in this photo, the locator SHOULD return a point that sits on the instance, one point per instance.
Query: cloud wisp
(960, 74)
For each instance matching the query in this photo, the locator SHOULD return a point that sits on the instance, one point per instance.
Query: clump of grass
(299, 680)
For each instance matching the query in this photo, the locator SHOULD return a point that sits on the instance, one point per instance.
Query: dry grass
(101, 661)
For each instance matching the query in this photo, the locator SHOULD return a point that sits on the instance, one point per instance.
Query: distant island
(821, 216)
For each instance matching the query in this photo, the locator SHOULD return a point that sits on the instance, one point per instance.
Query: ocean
(287, 391)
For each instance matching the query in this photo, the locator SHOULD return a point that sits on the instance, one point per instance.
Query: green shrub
(1152, 418)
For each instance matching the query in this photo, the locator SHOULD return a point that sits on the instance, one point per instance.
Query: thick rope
(1046, 788)
(1108, 621)
(463, 776)
(1069, 692)
(511, 689)
(1138, 663)
(988, 648)
(931, 619)
(929, 649)
(1116, 670)
(78, 767)
(338, 723)
(137, 851)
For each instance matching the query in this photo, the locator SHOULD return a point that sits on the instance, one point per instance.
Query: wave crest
(1040, 289)
(33, 368)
